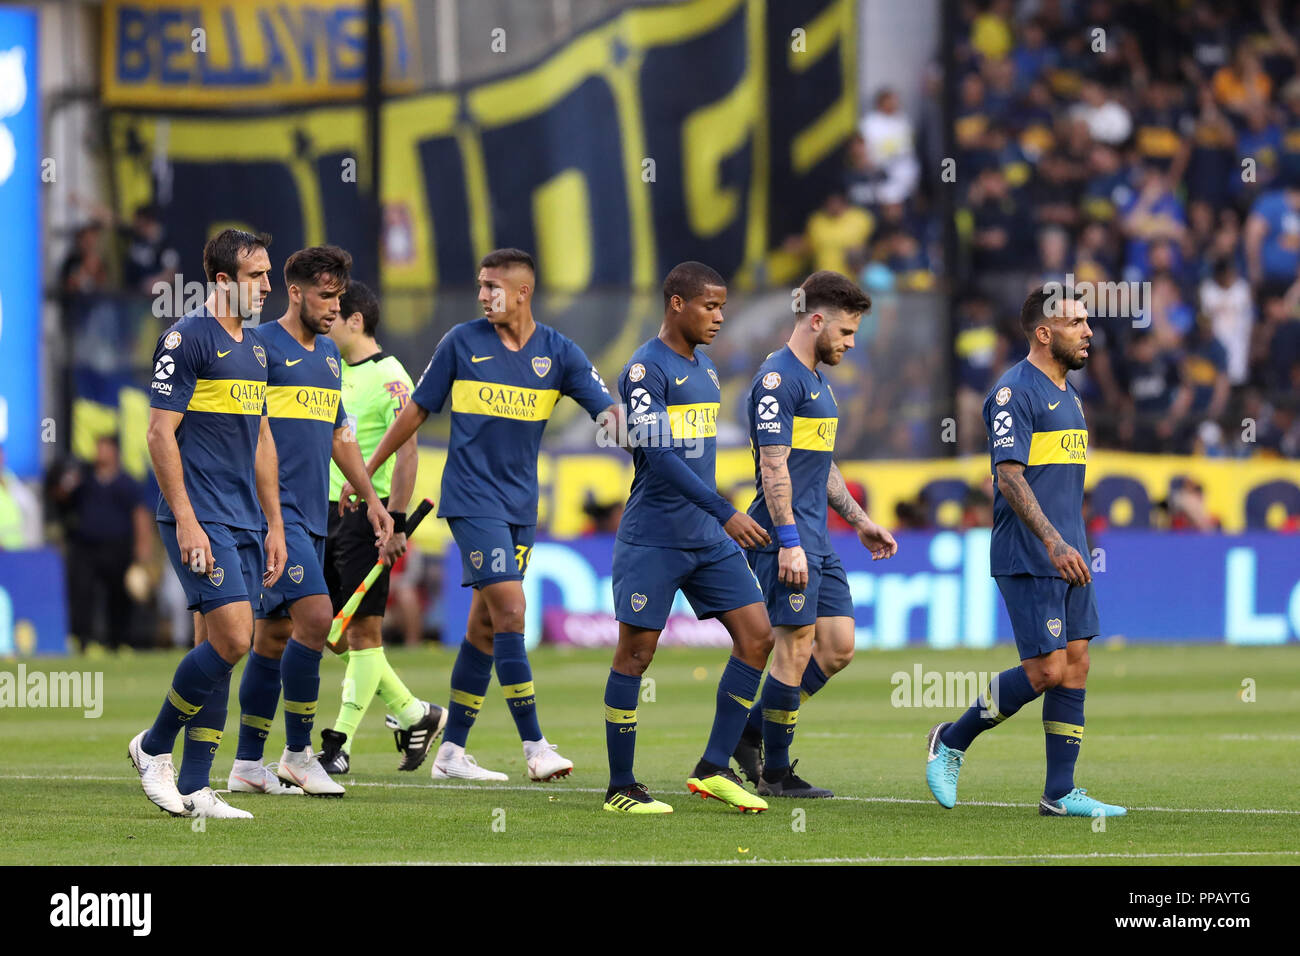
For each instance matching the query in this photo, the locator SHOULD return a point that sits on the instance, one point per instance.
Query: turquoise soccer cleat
(1077, 803)
(942, 765)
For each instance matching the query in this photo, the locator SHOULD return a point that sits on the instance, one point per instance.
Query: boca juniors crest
(541, 365)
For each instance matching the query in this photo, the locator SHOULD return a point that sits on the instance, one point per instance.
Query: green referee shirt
(374, 391)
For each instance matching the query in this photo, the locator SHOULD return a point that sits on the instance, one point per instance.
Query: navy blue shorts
(1046, 613)
(239, 565)
(715, 579)
(492, 550)
(827, 593)
(304, 572)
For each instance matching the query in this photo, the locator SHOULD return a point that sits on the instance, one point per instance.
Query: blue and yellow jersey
(1031, 421)
(304, 402)
(500, 403)
(219, 384)
(672, 407)
(790, 404)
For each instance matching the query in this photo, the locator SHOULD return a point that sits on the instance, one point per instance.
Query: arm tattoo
(838, 497)
(776, 483)
(1015, 488)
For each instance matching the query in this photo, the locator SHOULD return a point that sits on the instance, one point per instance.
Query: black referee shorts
(350, 553)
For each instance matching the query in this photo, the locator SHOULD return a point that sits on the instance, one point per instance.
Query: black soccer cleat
(413, 744)
(749, 754)
(789, 784)
(333, 758)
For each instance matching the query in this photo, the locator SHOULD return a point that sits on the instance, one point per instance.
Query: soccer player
(678, 533)
(212, 451)
(1039, 451)
(375, 389)
(303, 398)
(502, 374)
(792, 423)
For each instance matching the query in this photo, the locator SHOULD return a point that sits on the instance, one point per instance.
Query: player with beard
(305, 407)
(793, 417)
(1039, 451)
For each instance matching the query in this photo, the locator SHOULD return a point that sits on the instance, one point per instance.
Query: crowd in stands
(1148, 143)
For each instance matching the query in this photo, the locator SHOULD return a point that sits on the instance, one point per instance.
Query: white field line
(971, 858)
(551, 788)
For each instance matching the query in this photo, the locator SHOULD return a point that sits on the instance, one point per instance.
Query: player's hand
(1069, 563)
(347, 498)
(381, 521)
(196, 550)
(877, 540)
(277, 556)
(394, 549)
(745, 531)
(792, 568)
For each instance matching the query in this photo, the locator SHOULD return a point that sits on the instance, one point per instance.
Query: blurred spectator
(1107, 120)
(602, 517)
(84, 270)
(1273, 238)
(1203, 393)
(861, 178)
(836, 236)
(109, 534)
(1243, 83)
(148, 258)
(990, 33)
(1226, 299)
(890, 148)
(20, 512)
(1187, 508)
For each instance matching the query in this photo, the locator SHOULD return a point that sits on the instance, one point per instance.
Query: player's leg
(470, 676)
(416, 724)
(1036, 606)
(203, 675)
(259, 696)
(723, 586)
(645, 583)
(1063, 716)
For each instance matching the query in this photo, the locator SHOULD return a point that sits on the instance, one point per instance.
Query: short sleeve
(435, 382)
(177, 361)
(1009, 418)
(772, 403)
(582, 382)
(398, 390)
(644, 389)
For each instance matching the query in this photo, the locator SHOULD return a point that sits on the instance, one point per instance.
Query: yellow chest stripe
(814, 434)
(699, 420)
(503, 401)
(228, 396)
(1069, 446)
(301, 401)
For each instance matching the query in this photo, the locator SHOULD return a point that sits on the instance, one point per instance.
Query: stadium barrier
(937, 592)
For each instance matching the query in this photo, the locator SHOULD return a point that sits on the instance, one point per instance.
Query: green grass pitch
(1208, 777)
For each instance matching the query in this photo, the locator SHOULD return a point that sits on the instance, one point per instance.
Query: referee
(375, 389)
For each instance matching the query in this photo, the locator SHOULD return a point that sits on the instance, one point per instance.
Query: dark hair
(111, 438)
(688, 279)
(361, 298)
(318, 265)
(222, 251)
(1034, 311)
(501, 258)
(831, 290)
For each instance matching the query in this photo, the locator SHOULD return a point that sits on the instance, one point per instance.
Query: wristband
(399, 521)
(788, 535)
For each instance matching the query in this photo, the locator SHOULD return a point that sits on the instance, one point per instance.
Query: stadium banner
(937, 592)
(705, 130)
(22, 172)
(33, 604)
(216, 54)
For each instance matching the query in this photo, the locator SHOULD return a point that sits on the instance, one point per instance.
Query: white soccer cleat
(157, 777)
(207, 803)
(249, 776)
(303, 769)
(545, 762)
(452, 763)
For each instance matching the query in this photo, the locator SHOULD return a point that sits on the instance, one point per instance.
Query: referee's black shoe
(333, 758)
(788, 784)
(413, 744)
